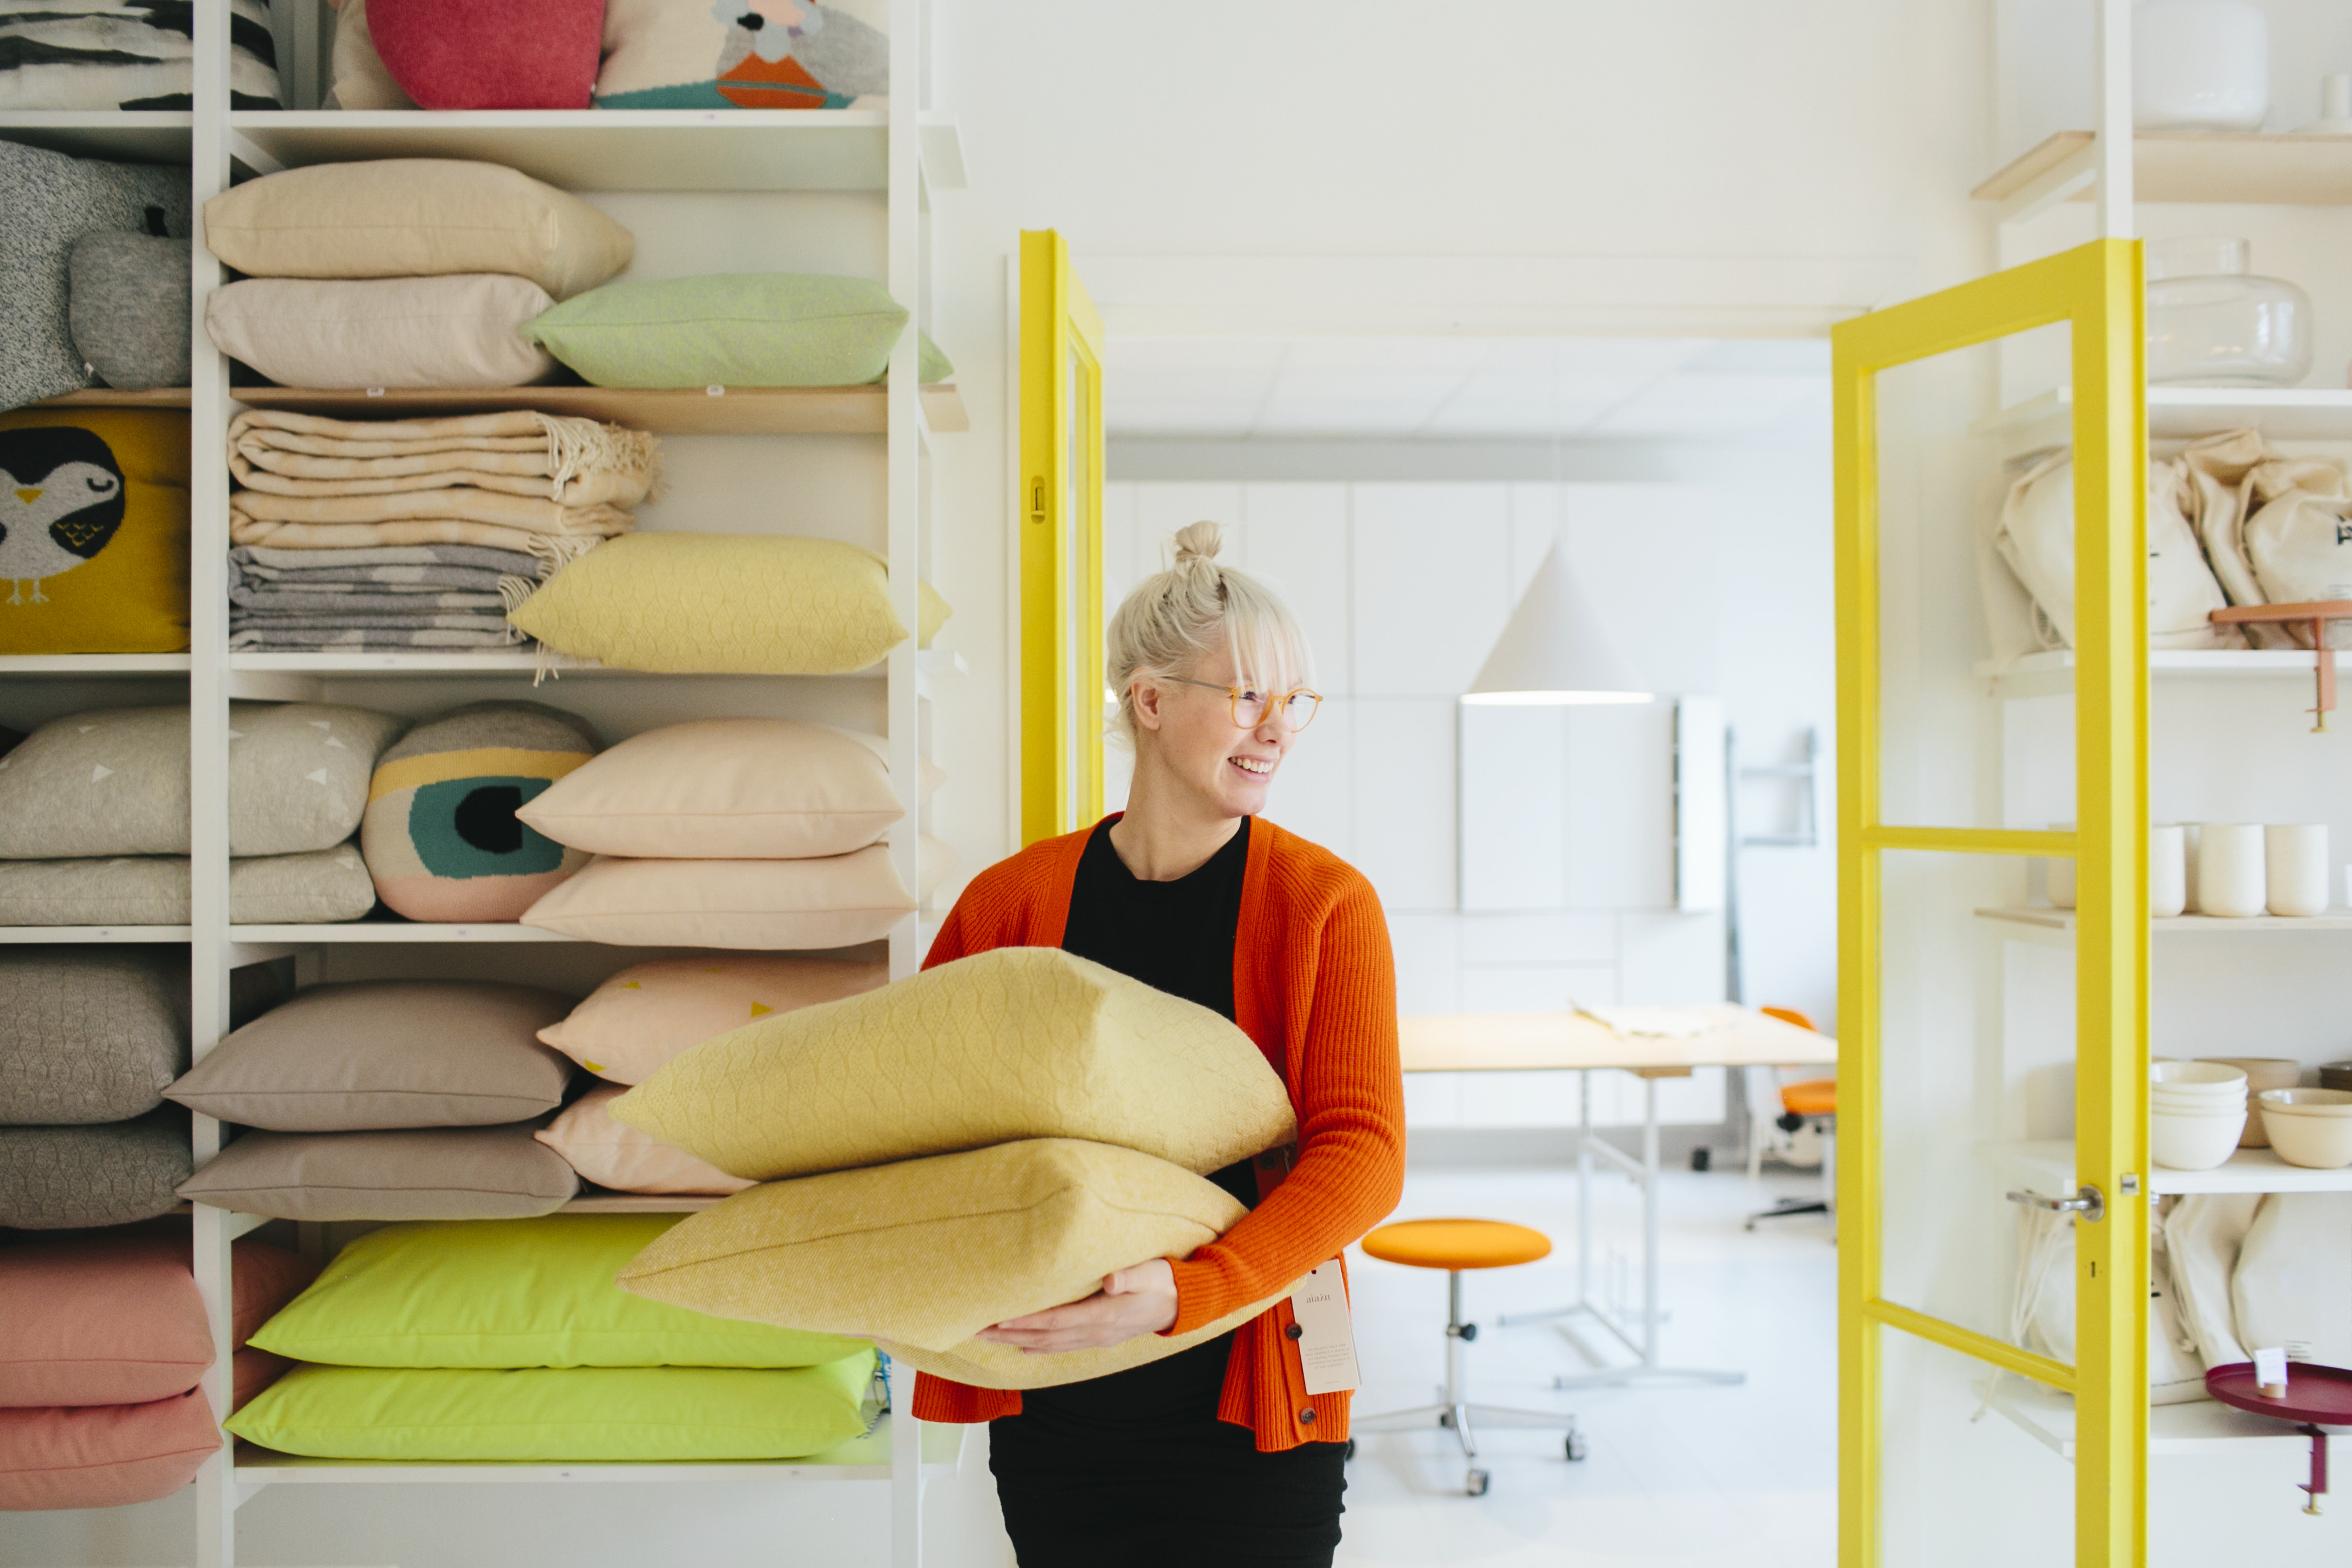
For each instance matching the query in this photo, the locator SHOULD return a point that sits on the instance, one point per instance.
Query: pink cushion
(116, 1320)
(103, 1456)
(463, 54)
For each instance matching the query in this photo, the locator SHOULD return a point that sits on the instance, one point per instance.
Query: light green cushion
(732, 329)
(517, 1294)
(578, 1414)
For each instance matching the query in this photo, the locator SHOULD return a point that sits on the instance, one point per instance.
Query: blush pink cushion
(615, 1155)
(103, 1321)
(463, 54)
(648, 1013)
(103, 1456)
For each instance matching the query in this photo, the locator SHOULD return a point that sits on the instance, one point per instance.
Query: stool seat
(1454, 1244)
(1817, 1098)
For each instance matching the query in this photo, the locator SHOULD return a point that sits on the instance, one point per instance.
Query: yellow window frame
(2097, 290)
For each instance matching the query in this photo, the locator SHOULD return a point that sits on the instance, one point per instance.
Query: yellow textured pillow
(925, 1253)
(1020, 1042)
(414, 218)
(724, 603)
(93, 531)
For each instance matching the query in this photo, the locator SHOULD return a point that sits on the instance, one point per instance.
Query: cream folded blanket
(569, 461)
(557, 548)
(530, 514)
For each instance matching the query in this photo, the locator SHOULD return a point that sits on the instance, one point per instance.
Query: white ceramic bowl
(2318, 1142)
(2198, 1096)
(2261, 1073)
(2316, 1104)
(2201, 1076)
(2194, 1142)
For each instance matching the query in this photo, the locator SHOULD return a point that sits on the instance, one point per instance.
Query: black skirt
(1136, 1469)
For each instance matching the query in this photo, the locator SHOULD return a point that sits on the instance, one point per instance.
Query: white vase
(2200, 65)
(2231, 880)
(2167, 870)
(2296, 869)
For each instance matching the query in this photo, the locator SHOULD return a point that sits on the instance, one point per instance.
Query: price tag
(1326, 1336)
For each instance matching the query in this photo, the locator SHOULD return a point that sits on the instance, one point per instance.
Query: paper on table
(1659, 1023)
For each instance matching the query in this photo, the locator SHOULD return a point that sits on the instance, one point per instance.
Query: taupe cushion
(65, 1178)
(153, 889)
(89, 1033)
(452, 331)
(433, 1173)
(317, 888)
(384, 1054)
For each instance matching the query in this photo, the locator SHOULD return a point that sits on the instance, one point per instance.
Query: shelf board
(110, 398)
(930, 664)
(379, 931)
(2052, 674)
(621, 149)
(667, 411)
(2181, 412)
(2266, 167)
(2048, 1166)
(602, 1202)
(18, 935)
(105, 665)
(865, 1458)
(2042, 917)
(133, 136)
(2200, 1426)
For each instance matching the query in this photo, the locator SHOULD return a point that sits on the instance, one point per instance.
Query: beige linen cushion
(648, 1013)
(453, 331)
(723, 789)
(414, 218)
(425, 1172)
(1020, 1042)
(614, 1156)
(835, 900)
(925, 1253)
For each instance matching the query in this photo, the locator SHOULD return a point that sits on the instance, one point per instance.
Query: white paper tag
(2270, 1370)
(1327, 1339)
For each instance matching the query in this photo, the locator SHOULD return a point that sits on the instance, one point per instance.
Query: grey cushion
(64, 1178)
(51, 201)
(321, 886)
(129, 306)
(91, 1034)
(114, 781)
(432, 1173)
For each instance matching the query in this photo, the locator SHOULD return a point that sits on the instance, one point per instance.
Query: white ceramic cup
(2193, 836)
(2294, 865)
(2200, 64)
(2058, 874)
(2167, 870)
(2230, 870)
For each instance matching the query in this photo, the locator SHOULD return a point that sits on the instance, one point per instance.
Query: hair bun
(1199, 541)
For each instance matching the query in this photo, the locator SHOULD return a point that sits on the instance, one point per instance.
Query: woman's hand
(1133, 1301)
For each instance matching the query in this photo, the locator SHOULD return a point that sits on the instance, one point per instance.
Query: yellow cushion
(724, 603)
(93, 531)
(925, 1253)
(1456, 1244)
(1020, 1042)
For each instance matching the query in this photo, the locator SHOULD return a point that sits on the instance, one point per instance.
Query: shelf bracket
(2316, 613)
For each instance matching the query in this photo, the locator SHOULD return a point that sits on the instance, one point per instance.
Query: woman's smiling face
(1200, 749)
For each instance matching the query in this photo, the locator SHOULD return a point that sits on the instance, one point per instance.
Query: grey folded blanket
(308, 636)
(437, 566)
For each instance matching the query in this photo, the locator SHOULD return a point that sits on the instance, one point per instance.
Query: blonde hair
(1174, 617)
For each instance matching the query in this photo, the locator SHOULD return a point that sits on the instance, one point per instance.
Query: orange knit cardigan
(1314, 986)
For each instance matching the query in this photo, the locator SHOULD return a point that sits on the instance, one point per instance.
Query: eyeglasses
(1298, 706)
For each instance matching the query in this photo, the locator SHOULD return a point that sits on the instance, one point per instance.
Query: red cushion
(116, 1320)
(464, 54)
(103, 1456)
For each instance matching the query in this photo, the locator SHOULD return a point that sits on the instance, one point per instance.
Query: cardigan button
(1295, 1332)
(1307, 1416)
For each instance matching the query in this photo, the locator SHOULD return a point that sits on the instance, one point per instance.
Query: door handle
(2088, 1201)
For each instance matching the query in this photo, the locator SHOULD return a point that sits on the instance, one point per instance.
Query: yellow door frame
(2097, 290)
(1061, 641)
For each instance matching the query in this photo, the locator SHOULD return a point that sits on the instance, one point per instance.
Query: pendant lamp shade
(1553, 651)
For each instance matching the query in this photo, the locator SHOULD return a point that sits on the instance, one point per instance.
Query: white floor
(1738, 1477)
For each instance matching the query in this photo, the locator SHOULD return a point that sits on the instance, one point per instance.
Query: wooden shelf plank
(110, 397)
(97, 664)
(17, 935)
(668, 411)
(2048, 1166)
(2264, 167)
(602, 1202)
(2052, 674)
(2183, 413)
(378, 931)
(2200, 1426)
(135, 136)
(2050, 919)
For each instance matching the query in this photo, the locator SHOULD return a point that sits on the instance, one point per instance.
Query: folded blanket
(401, 586)
(570, 462)
(528, 514)
(390, 564)
(556, 547)
(372, 621)
(307, 639)
(340, 599)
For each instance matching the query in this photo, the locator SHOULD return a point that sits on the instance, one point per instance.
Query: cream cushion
(1020, 1042)
(414, 218)
(454, 331)
(614, 1155)
(924, 1254)
(723, 789)
(835, 900)
(648, 1013)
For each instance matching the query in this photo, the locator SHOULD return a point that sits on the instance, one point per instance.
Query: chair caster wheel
(1445, 1419)
(1476, 1483)
(1350, 1451)
(1575, 1446)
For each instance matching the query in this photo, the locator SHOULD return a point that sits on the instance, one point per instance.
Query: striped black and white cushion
(125, 53)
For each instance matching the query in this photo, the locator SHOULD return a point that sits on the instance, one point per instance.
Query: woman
(1217, 1453)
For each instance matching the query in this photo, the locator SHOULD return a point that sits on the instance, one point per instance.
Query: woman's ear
(1145, 703)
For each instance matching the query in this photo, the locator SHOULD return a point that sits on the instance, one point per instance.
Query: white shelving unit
(2047, 1166)
(897, 159)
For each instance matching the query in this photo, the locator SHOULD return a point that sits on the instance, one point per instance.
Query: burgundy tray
(2316, 1397)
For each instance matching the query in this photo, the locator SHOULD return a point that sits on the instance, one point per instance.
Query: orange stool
(1456, 1244)
(1814, 1100)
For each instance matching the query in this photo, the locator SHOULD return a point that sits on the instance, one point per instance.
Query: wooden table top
(1724, 1036)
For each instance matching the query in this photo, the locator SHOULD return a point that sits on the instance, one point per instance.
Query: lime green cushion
(517, 1294)
(732, 329)
(576, 1415)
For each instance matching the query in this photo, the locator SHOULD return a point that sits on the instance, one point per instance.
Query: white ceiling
(1460, 388)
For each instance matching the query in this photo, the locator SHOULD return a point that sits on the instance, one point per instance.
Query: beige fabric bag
(2043, 1312)
(2035, 538)
(2293, 1287)
(452, 331)
(2202, 1234)
(1016, 1043)
(2238, 477)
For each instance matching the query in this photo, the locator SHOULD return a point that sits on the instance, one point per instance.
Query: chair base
(1787, 1206)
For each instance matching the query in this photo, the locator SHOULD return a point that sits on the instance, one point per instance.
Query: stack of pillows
(89, 1039)
(127, 55)
(106, 1340)
(506, 1339)
(728, 832)
(94, 816)
(986, 1139)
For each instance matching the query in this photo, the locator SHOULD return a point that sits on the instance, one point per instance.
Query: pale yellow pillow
(835, 900)
(724, 603)
(927, 1253)
(722, 789)
(649, 1012)
(1020, 1042)
(414, 218)
(613, 1154)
